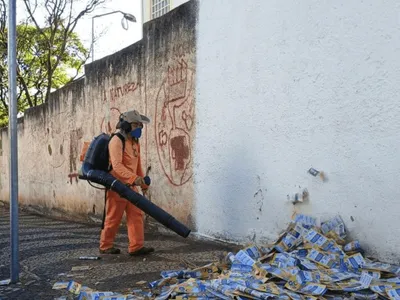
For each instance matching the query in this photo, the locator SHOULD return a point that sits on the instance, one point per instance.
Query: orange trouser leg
(114, 212)
(135, 224)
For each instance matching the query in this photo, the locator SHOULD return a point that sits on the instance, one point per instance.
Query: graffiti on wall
(174, 122)
(55, 140)
(182, 49)
(111, 116)
(75, 137)
(110, 120)
(120, 91)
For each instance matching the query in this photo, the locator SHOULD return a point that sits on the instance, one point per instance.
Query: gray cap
(134, 116)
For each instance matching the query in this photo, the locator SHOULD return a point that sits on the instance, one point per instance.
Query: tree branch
(57, 36)
(3, 98)
(89, 8)
(24, 86)
(31, 16)
(3, 17)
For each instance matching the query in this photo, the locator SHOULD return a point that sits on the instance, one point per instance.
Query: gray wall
(154, 76)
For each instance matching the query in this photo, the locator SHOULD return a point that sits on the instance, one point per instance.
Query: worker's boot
(142, 251)
(110, 251)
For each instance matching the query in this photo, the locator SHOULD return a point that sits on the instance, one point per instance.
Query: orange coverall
(126, 167)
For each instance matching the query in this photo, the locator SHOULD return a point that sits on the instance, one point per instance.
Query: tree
(47, 51)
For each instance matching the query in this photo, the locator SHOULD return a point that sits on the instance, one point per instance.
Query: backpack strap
(121, 137)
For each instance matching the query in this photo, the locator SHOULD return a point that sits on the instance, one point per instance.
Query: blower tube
(107, 180)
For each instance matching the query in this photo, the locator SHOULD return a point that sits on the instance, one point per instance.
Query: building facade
(153, 9)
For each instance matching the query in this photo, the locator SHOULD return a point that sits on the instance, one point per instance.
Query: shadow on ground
(50, 248)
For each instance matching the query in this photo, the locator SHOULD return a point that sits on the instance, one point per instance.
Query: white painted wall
(284, 86)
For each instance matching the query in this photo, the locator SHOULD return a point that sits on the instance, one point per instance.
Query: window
(159, 8)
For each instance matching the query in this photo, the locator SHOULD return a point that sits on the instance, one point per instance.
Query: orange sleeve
(118, 168)
(140, 169)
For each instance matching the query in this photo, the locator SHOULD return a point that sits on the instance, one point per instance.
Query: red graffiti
(180, 151)
(174, 122)
(164, 114)
(180, 50)
(177, 81)
(108, 125)
(187, 118)
(120, 91)
(162, 138)
(104, 96)
(109, 121)
(73, 175)
(74, 140)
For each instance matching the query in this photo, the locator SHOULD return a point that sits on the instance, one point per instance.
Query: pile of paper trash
(306, 262)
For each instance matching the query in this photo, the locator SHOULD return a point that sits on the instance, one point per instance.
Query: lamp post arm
(109, 13)
(126, 15)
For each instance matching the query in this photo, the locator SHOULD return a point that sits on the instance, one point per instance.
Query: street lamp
(126, 16)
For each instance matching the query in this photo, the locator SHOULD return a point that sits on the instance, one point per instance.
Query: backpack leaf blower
(95, 169)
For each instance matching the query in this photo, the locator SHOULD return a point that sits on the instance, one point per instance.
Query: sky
(113, 37)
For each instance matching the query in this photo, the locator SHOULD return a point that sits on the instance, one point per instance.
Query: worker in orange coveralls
(126, 167)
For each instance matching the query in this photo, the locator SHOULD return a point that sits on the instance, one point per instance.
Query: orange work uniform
(126, 167)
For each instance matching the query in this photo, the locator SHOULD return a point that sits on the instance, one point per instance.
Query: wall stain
(259, 195)
(260, 201)
(74, 138)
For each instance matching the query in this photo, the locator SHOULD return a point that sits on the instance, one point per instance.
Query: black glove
(147, 180)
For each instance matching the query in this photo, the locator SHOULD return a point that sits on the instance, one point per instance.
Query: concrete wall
(154, 76)
(282, 87)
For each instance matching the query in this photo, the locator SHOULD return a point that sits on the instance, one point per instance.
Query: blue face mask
(136, 133)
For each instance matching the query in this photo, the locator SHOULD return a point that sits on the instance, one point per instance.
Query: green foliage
(48, 57)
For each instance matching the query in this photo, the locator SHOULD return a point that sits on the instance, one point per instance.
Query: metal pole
(12, 127)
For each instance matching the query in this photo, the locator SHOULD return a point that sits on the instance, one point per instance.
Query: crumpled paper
(306, 262)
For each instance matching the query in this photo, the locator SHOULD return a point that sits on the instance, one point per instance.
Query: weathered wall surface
(282, 87)
(154, 76)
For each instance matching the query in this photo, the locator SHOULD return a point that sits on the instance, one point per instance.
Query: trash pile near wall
(306, 262)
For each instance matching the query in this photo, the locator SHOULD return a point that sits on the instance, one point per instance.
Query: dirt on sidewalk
(49, 250)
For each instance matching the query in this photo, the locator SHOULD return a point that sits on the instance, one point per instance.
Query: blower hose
(106, 179)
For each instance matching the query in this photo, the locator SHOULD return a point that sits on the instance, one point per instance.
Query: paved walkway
(49, 249)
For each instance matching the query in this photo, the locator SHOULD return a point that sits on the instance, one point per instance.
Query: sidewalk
(50, 248)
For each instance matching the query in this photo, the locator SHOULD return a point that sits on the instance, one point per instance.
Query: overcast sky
(114, 37)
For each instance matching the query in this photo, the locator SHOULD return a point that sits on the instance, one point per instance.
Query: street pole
(12, 128)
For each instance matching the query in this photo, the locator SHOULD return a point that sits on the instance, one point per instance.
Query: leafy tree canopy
(48, 56)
